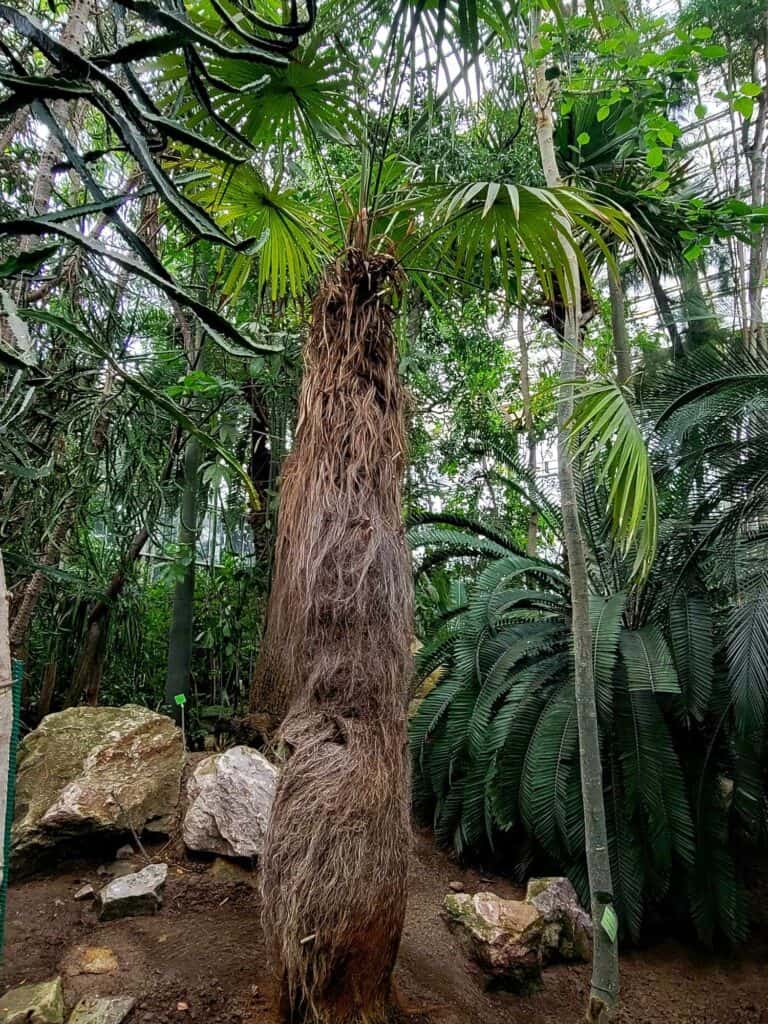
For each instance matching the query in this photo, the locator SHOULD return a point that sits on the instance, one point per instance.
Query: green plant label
(610, 923)
(180, 699)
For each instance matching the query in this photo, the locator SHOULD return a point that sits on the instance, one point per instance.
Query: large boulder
(95, 770)
(230, 796)
(567, 931)
(504, 937)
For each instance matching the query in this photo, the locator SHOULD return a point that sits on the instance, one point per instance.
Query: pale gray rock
(229, 800)
(567, 931)
(131, 895)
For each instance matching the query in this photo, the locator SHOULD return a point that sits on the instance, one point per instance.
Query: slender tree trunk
(47, 688)
(666, 313)
(7, 765)
(755, 153)
(33, 590)
(604, 988)
(259, 465)
(63, 111)
(182, 614)
(530, 431)
(619, 326)
(701, 319)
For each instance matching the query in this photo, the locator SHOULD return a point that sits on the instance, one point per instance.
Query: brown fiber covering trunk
(340, 621)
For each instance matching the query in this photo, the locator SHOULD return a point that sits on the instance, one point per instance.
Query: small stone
(139, 893)
(182, 1007)
(98, 1010)
(91, 960)
(125, 852)
(86, 893)
(33, 1004)
(456, 886)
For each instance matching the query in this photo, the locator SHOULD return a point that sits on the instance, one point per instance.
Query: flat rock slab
(91, 960)
(131, 895)
(33, 1004)
(229, 801)
(92, 770)
(98, 1010)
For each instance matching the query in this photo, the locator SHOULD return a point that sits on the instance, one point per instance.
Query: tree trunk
(259, 465)
(604, 988)
(182, 615)
(47, 688)
(73, 36)
(665, 311)
(702, 321)
(530, 432)
(335, 862)
(619, 326)
(8, 738)
(35, 586)
(755, 153)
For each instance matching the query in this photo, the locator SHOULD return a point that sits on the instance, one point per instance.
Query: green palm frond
(502, 227)
(606, 615)
(291, 243)
(690, 629)
(648, 661)
(495, 744)
(604, 430)
(748, 663)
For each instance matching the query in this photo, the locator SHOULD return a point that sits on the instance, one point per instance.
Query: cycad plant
(495, 744)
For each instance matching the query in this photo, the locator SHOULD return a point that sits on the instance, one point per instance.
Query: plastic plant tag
(180, 699)
(610, 922)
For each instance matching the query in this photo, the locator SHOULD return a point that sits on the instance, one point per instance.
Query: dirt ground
(202, 957)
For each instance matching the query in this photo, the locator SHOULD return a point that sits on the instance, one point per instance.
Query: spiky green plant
(495, 745)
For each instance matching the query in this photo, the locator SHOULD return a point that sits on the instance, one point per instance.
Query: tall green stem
(604, 988)
(182, 615)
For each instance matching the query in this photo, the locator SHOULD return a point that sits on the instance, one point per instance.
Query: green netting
(17, 673)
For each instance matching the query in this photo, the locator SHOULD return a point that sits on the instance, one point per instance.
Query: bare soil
(202, 958)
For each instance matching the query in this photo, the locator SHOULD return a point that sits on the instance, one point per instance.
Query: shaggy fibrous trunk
(336, 855)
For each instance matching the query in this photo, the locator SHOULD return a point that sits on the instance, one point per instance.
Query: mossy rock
(88, 771)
